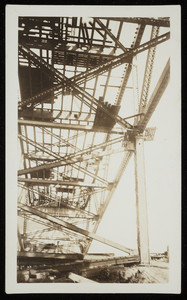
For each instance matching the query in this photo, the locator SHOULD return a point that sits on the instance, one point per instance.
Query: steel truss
(68, 122)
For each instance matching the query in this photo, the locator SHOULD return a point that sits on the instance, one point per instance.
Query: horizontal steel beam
(61, 162)
(163, 22)
(38, 157)
(32, 181)
(65, 205)
(68, 126)
(92, 266)
(55, 211)
(59, 86)
(86, 98)
(35, 42)
(87, 75)
(77, 154)
(59, 215)
(74, 228)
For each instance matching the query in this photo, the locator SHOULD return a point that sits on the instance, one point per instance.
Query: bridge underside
(86, 97)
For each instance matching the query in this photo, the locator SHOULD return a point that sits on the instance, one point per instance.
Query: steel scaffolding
(73, 76)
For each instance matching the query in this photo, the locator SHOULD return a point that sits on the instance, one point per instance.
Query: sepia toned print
(73, 123)
(96, 171)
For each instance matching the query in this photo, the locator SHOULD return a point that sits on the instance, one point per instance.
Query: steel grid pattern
(67, 67)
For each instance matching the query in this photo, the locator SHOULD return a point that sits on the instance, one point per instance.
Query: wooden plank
(79, 279)
(41, 255)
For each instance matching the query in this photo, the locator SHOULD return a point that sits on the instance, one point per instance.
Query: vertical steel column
(141, 202)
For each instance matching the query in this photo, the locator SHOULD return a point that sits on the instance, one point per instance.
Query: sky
(162, 168)
(162, 156)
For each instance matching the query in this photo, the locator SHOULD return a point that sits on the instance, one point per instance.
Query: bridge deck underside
(76, 91)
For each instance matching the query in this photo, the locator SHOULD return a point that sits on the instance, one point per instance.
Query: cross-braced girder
(75, 79)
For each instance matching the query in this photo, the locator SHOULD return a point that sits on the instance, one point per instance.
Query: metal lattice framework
(73, 76)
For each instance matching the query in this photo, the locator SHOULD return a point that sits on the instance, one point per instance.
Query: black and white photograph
(93, 149)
